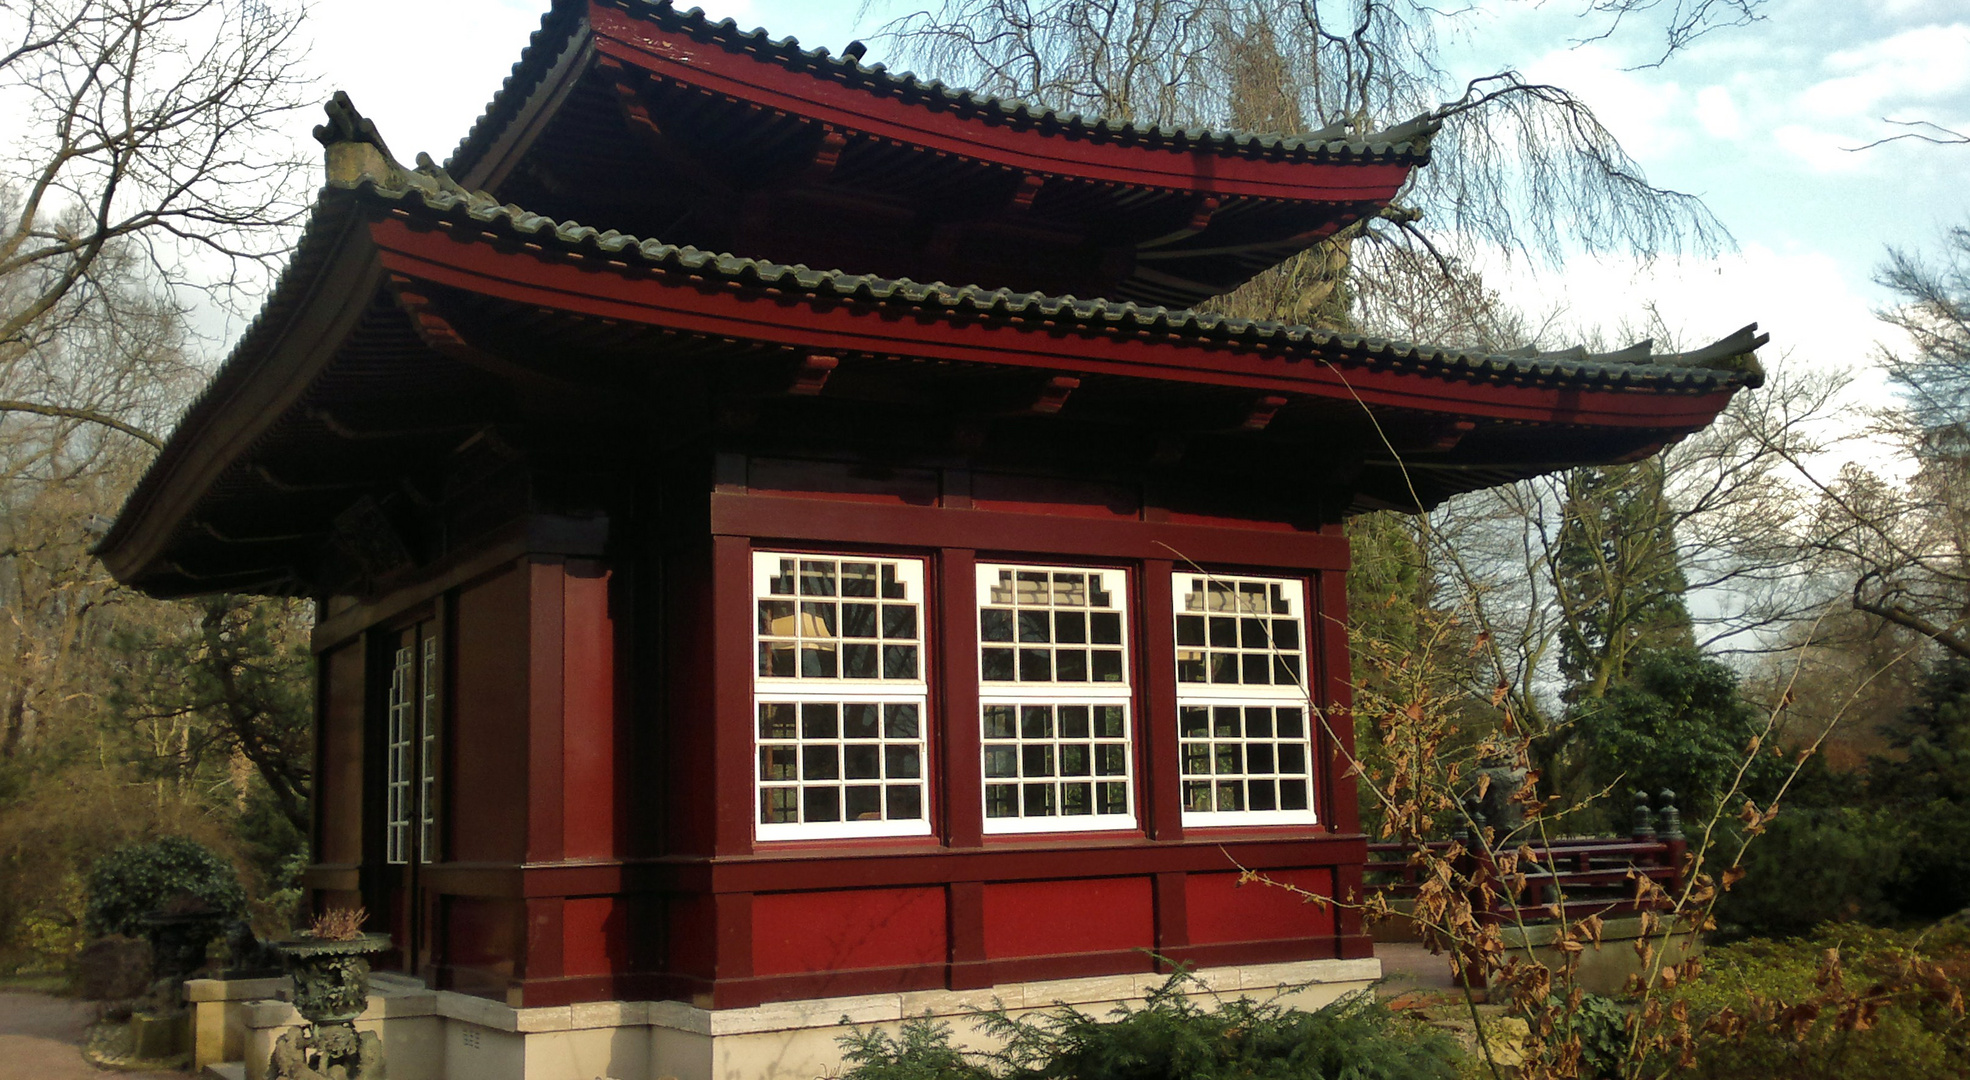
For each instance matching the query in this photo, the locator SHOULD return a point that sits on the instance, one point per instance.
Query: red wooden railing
(1595, 875)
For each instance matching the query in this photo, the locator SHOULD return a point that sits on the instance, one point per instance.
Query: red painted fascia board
(602, 290)
(681, 58)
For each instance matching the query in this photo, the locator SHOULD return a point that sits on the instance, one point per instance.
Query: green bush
(1170, 1037)
(1815, 866)
(128, 883)
(1916, 1034)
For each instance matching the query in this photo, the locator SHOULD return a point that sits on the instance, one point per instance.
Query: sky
(1756, 120)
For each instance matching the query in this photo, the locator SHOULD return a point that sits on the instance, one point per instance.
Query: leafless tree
(145, 148)
(1519, 166)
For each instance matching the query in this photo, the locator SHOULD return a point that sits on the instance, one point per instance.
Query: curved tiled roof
(429, 191)
(1409, 141)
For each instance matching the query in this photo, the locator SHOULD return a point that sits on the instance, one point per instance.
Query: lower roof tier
(420, 324)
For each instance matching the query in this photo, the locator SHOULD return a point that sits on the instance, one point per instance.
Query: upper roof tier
(420, 322)
(665, 123)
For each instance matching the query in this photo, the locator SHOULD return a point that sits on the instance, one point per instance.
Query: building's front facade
(702, 635)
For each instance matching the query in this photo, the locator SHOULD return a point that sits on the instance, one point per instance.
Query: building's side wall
(764, 921)
(338, 778)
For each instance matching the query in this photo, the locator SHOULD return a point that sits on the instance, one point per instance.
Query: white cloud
(1717, 111)
(1642, 112)
(1821, 150)
(1916, 65)
(420, 102)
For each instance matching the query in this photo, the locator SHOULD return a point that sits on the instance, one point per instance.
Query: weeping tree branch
(88, 416)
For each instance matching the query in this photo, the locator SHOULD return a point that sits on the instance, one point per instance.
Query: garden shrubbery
(1847, 1003)
(1169, 1037)
(130, 882)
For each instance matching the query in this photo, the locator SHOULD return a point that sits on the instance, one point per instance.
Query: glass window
(840, 696)
(1243, 721)
(397, 740)
(1054, 699)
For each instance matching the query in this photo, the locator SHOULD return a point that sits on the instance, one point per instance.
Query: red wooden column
(1333, 702)
(1161, 756)
(731, 724)
(1156, 727)
(961, 784)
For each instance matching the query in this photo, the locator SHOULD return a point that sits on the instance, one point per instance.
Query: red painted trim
(1159, 756)
(963, 786)
(732, 931)
(1335, 746)
(541, 955)
(1264, 952)
(1172, 922)
(545, 780)
(595, 287)
(779, 870)
(745, 993)
(943, 132)
(588, 714)
(781, 517)
(1070, 966)
(732, 672)
(967, 915)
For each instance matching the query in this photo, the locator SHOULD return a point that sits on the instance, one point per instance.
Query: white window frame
(1295, 694)
(840, 692)
(399, 710)
(1014, 693)
(428, 719)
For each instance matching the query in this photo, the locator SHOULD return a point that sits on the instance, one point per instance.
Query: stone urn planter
(178, 940)
(331, 989)
(331, 976)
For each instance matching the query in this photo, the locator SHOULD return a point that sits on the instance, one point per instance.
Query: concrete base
(157, 1036)
(1603, 970)
(433, 1034)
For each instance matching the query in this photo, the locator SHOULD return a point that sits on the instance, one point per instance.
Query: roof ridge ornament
(354, 149)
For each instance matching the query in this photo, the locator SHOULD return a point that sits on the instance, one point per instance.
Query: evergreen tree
(1619, 575)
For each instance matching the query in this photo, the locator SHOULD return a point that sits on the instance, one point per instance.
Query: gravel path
(41, 1036)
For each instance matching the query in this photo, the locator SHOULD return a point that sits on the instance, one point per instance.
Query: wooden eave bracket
(1449, 435)
(828, 154)
(812, 374)
(443, 338)
(1053, 395)
(1028, 190)
(1259, 416)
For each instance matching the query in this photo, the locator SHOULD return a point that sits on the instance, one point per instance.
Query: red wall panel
(594, 934)
(339, 773)
(489, 733)
(483, 934)
(588, 716)
(1220, 909)
(847, 929)
(1049, 918)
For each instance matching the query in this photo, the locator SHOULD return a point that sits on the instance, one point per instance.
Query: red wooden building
(728, 629)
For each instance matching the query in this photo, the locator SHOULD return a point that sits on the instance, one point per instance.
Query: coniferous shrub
(132, 881)
(1169, 1037)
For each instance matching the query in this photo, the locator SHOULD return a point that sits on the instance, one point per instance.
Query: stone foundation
(441, 1035)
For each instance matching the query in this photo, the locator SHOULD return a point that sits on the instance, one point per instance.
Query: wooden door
(412, 730)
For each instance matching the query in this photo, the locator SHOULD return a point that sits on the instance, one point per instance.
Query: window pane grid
(396, 757)
(1240, 632)
(427, 719)
(1243, 724)
(852, 620)
(1244, 759)
(1054, 699)
(1039, 625)
(840, 697)
(1063, 765)
(825, 762)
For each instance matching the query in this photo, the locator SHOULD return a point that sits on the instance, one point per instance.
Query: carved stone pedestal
(331, 989)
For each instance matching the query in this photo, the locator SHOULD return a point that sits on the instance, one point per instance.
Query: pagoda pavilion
(841, 575)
